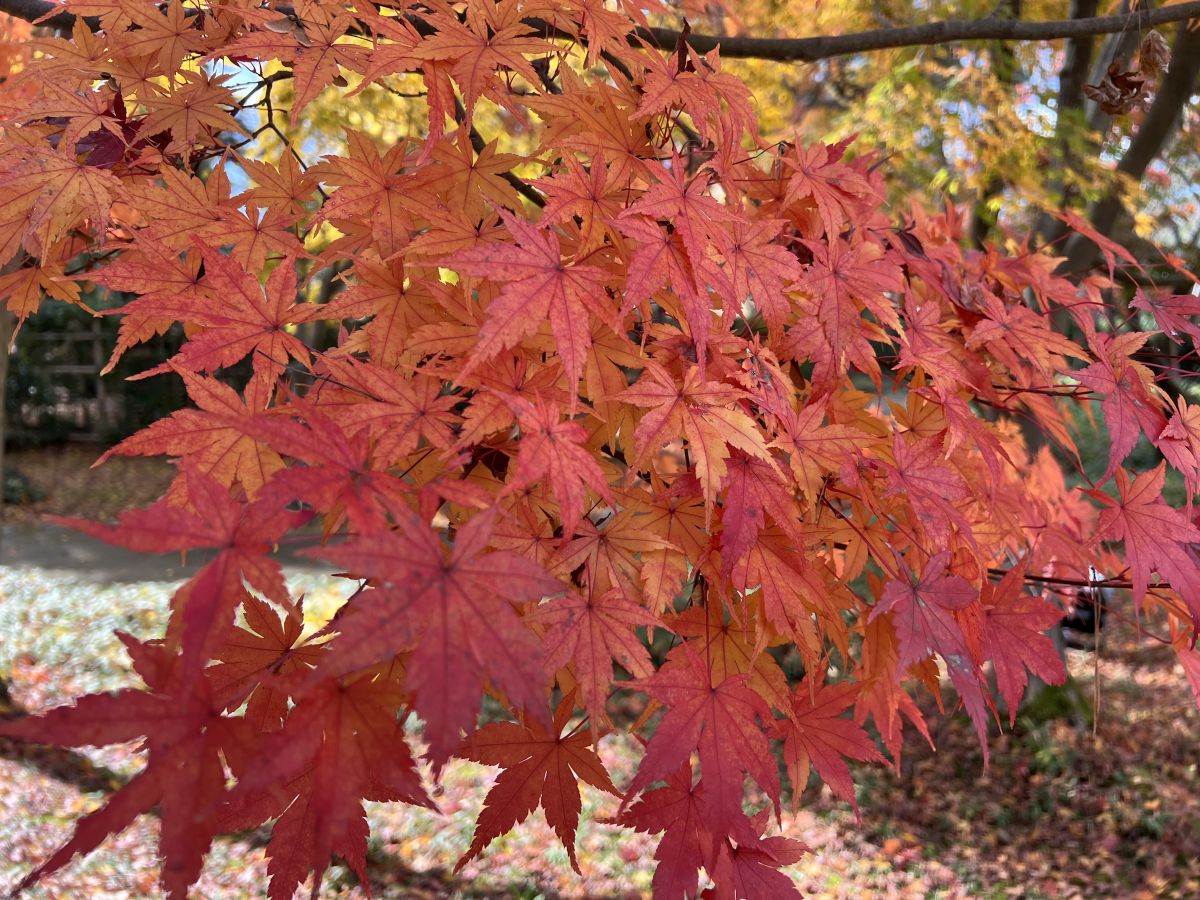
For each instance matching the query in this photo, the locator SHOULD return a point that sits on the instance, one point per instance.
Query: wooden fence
(71, 361)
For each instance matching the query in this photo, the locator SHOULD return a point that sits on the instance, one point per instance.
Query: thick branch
(809, 49)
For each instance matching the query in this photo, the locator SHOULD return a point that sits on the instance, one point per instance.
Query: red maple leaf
(1156, 536)
(1132, 402)
(205, 436)
(250, 659)
(750, 868)
(755, 267)
(454, 609)
(341, 744)
(723, 721)
(817, 735)
(676, 810)
(705, 412)
(923, 608)
(399, 414)
(1174, 313)
(553, 447)
(338, 476)
(537, 285)
(1013, 637)
(540, 766)
(203, 608)
(751, 489)
(186, 736)
(240, 318)
(833, 186)
(590, 632)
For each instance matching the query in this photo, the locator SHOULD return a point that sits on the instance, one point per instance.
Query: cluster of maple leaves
(636, 412)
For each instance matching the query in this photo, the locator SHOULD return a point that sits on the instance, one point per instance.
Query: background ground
(1061, 813)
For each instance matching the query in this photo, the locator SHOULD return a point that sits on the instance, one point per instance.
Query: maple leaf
(478, 47)
(282, 186)
(590, 632)
(205, 436)
(185, 734)
(1131, 403)
(180, 210)
(368, 191)
(454, 609)
(83, 111)
(1016, 333)
(923, 608)
(881, 695)
(310, 43)
(815, 450)
(791, 590)
(933, 489)
(203, 607)
(170, 34)
(1156, 536)
(504, 384)
(676, 810)
(250, 658)
(680, 197)
(842, 280)
(1173, 312)
(552, 447)
(1180, 442)
(47, 193)
(704, 412)
(817, 735)
(469, 183)
(818, 173)
(1013, 638)
(538, 285)
(660, 260)
(610, 554)
(590, 194)
(678, 516)
(337, 477)
(191, 109)
(398, 413)
(721, 721)
(241, 318)
(24, 288)
(751, 488)
(540, 766)
(731, 644)
(750, 869)
(756, 268)
(341, 744)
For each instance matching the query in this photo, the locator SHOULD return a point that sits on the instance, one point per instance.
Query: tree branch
(809, 49)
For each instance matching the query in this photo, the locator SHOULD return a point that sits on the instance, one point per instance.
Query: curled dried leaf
(1154, 55)
(1119, 92)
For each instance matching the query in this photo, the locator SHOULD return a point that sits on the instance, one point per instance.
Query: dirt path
(56, 549)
